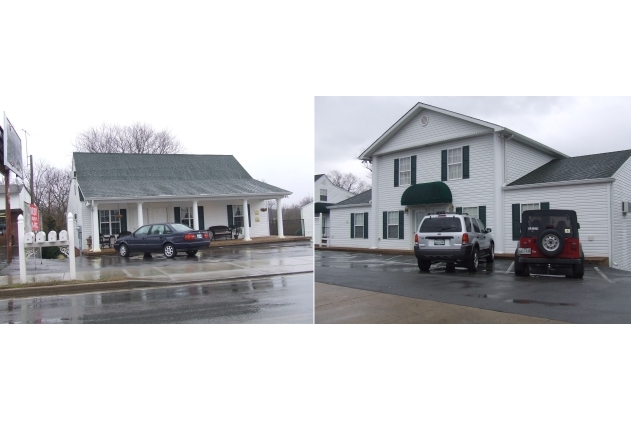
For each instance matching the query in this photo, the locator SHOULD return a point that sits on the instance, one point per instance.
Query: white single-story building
(112, 192)
(435, 160)
(306, 214)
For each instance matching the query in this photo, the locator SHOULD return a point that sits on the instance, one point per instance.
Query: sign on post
(34, 218)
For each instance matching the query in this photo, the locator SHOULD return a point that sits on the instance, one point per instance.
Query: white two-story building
(434, 160)
(325, 194)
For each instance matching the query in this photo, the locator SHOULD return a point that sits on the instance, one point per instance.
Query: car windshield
(535, 223)
(441, 224)
(180, 228)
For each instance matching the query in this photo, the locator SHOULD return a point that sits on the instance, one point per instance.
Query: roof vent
(424, 120)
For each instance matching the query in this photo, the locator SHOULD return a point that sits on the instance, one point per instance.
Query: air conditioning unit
(626, 206)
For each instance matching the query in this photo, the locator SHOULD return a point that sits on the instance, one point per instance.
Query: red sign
(34, 218)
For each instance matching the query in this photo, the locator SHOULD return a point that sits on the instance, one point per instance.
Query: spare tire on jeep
(551, 242)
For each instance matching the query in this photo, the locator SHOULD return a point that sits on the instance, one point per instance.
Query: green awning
(321, 207)
(426, 193)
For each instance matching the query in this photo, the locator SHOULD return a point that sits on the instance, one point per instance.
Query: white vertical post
(73, 267)
(195, 216)
(376, 229)
(279, 217)
(96, 224)
(139, 210)
(246, 221)
(21, 249)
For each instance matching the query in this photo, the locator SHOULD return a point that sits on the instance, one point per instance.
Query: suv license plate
(439, 242)
(523, 251)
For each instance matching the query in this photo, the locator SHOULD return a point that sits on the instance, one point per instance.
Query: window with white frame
(109, 223)
(405, 171)
(393, 224)
(323, 195)
(529, 206)
(359, 225)
(472, 211)
(454, 164)
(186, 216)
(237, 215)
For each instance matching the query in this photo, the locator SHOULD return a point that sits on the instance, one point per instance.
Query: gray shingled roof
(360, 199)
(602, 165)
(143, 175)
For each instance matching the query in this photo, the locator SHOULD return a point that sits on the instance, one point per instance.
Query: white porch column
(96, 243)
(139, 210)
(279, 217)
(246, 221)
(376, 229)
(499, 145)
(195, 216)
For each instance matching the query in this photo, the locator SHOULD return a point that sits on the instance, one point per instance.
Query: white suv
(452, 238)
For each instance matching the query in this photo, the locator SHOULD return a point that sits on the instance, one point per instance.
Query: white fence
(31, 239)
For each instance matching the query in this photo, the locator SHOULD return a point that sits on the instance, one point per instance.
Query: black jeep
(549, 243)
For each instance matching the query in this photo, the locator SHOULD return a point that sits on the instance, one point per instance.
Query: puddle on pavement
(542, 302)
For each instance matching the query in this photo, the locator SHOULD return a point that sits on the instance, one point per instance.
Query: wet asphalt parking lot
(602, 296)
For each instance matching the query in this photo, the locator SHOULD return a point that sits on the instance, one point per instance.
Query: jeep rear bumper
(549, 261)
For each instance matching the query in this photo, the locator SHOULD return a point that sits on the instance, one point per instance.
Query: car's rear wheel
(521, 269)
(169, 251)
(123, 250)
(191, 252)
(472, 263)
(424, 265)
(491, 256)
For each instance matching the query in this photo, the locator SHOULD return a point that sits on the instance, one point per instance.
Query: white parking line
(510, 267)
(127, 273)
(391, 258)
(603, 275)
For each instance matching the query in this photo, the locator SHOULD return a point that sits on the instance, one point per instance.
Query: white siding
(621, 235)
(341, 227)
(306, 214)
(588, 200)
(440, 127)
(477, 190)
(334, 194)
(522, 159)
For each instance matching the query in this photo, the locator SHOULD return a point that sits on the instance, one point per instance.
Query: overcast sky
(346, 126)
(69, 66)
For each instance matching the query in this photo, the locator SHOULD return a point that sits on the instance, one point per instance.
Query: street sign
(12, 148)
(34, 218)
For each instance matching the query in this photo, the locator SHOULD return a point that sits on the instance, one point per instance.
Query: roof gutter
(127, 199)
(560, 183)
(348, 206)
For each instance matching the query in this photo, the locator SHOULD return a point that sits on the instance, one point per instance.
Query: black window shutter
(200, 217)
(544, 205)
(249, 218)
(482, 214)
(458, 210)
(465, 162)
(176, 214)
(400, 225)
(123, 219)
(352, 225)
(366, 225)
(385, 225)
(230, 220)
(443, 165)
(413, 167)
(516, 215)
(396, 173)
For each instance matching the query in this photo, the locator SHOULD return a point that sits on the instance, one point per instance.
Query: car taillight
(416, 238)
(189, 237)
(206, 235)
(465, 238)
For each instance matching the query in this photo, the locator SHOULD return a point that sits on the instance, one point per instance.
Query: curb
(117, 285)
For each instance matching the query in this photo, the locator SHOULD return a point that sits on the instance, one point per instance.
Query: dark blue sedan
(165, 238)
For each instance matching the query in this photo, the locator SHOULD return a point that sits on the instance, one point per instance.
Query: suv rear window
(536, 222)
(441, 224)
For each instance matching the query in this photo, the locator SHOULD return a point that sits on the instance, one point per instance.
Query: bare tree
(137, 138)
(368, 166)
(51, 189)
(348, 181)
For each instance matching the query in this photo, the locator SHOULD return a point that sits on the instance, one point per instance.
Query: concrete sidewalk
(107, 272)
